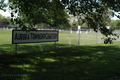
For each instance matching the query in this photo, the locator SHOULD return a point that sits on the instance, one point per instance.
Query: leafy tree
(5, 20)
(84, 24)
(118, 24)
(2, 5)
(29, 11)
(115, 24)
(93, 11)
(75, 7)
(1, 17)
(57, 15)
(36, 12)
(99, 18)
(74, 23)
(56, 12)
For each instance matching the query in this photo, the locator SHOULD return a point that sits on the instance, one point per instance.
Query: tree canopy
(115, 24)
(39, 11)
(2, 5)
(54, 10)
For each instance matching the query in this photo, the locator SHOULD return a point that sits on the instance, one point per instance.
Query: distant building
(4, 23)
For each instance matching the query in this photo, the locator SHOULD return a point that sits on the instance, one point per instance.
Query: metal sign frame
(19, 36)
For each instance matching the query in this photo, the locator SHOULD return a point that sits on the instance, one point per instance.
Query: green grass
(85, 39)
(39, 61)
(65, 37)
(5, 37)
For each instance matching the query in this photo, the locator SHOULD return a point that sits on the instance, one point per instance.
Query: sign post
(19, 37)
(55, 45)
(79, 27)
(15, 49)
(16, 46)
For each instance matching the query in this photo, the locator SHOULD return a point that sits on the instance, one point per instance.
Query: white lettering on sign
(33, 36)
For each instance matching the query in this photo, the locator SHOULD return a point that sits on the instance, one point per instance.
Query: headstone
(71, 31)
(87, 32)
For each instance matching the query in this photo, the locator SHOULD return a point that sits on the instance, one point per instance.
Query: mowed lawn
(65, 37)
(39, 61)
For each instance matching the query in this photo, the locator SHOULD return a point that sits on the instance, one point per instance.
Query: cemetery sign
(19, 36)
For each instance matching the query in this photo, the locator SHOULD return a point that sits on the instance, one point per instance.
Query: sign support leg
(55, 45)
(15, 49)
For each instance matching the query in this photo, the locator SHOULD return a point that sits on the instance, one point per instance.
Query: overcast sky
(5, 13)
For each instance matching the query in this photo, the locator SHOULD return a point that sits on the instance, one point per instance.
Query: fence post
(79, 38)
(97, 36)
(79, 28)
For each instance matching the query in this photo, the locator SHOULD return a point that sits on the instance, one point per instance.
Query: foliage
(78, 8)
(1, 17)
(99, 18)
(2, 5)
(115, 24)
(46, 12)
(94, 11)
(57, 15)
(74, 23)
(84, 24)
(112, 4)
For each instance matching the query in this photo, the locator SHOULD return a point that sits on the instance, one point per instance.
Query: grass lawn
(65, 37)
(41, 62)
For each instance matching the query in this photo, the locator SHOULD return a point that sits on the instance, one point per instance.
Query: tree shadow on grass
(71, 63)
(24, 48)
(8, 49)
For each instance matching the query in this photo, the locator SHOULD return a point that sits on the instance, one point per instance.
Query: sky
(115, 18)
(7, 13)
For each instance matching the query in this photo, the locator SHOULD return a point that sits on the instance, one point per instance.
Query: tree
(75, 7)
(2, 5)
(57, 15)
(93, 11)
(4, 23)
(28, 11)
(36, 12)
(99, 18)
(115, 24)
(1, 17)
